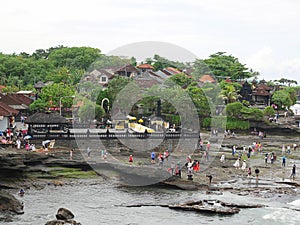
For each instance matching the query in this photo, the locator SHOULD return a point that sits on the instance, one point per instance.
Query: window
(103, 79)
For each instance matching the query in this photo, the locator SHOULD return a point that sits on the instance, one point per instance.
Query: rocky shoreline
(37, 170)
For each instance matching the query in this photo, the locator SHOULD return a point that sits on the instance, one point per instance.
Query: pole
(60, 105)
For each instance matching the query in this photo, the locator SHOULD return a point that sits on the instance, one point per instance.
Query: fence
(112, 136)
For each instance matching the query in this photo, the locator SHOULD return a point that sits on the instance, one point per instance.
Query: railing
(111, 136)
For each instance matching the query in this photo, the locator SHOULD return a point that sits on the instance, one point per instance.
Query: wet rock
(55, 222)
(63, 217)
(9, 203)
(62, 222)
(213, 206)
(206, 206)
(64, 214)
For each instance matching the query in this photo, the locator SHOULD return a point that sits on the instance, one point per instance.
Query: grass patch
(60, 172)
(72, 173)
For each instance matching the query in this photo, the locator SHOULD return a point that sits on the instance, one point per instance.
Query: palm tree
(229, 94)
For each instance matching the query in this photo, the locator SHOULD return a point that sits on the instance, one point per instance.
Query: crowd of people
(17, 137)
(256, 148)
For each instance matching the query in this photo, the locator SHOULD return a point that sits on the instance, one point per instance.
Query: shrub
(269, 111)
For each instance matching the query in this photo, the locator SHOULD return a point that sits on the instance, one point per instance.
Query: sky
(263, 34)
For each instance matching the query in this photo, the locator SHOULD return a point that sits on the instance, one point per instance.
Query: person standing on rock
(172, 168)
(244, 165)
(295, 147)
(266, 158)
(152, 157)
(71, 153)
(249, 152)
(233, 150)
(289, 149)
(222, 159)
(166, 154)
(293, 175)
(249, 172)
(178, 169)
(18, 142)
(283, 149)
(237, 163)
(130, 160)
(208, 146)
(283, 160)
(256, 173)
(88, 152)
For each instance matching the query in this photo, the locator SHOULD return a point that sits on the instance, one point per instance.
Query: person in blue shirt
(283, 160)
(152, 157)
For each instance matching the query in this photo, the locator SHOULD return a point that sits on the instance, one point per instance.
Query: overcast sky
(264, 34)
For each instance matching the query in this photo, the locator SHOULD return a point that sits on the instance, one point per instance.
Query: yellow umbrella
(141, 120)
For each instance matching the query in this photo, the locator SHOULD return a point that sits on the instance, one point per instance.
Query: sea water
(96, 204)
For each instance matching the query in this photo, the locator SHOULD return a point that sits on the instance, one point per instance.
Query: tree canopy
(224, 66)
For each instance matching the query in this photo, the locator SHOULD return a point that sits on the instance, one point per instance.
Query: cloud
(273, 67)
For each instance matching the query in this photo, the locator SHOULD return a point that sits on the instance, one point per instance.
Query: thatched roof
(46, 118)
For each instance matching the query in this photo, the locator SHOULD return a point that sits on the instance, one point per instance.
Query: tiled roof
(25, 99)
(207, 78)
(8, 99)
(15, 99)
(108, 74)
(5, 110)
(171, 71)
(127, 68)
(261, 92)
(145, 66)
(263, 87)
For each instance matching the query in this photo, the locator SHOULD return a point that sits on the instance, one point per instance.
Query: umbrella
(46, 142)
(27, 137)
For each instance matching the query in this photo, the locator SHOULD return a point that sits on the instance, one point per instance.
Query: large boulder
(9, 203)
(64, 214)
(63, 217)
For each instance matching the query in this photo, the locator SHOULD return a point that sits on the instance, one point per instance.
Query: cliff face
(11, 165)
(18, 165)
(282, 126)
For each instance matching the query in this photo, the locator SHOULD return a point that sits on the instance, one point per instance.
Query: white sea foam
(283, 216)
(295, 203)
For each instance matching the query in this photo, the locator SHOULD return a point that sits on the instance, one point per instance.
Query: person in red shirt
(130, 160)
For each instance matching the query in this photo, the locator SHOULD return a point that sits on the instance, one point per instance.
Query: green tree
(286, 81)
(234, 110)
(282, 99)
(74, 57)
(90, 111)
(52, 94)
(200, 100)
(269, 111)
(227, 66)
(252, 114)
(115, 86)
(229, 94)
(161, 63)
(180, 79)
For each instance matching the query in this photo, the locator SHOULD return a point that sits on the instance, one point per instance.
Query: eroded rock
(64, 214)
(9, 203)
